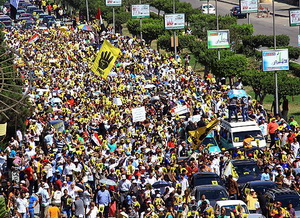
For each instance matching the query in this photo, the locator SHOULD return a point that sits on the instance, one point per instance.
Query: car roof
(230, 202)
(209, 187)
(282, 191)
(206, 174)
(242, 161)
(259, 182)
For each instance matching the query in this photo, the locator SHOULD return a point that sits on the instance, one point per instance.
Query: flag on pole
(13, 8)
(99, 17)
(34, 38)
(105, 59)
(199, 134)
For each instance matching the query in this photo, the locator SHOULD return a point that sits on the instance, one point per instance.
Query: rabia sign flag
(218, 39)
(249, 6)
(140, 11)
(275, 60)
(174, 21)
(113, 2)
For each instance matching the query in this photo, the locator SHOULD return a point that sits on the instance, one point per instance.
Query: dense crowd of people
(82, 155)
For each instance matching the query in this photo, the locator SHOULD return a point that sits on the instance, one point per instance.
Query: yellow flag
(3, 129)
(199, 134)
(105, 59)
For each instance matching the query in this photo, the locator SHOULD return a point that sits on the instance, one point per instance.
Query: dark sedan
(258, 186)
(236, 12)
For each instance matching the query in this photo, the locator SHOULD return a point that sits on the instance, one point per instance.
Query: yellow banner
(3, 129)
(105, 59)
(199, 134)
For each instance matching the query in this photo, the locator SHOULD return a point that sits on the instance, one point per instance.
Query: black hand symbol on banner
(105, 59)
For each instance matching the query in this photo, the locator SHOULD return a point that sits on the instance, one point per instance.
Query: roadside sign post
(113, 3)
(174, 22)
(140, 11)
(249, 6)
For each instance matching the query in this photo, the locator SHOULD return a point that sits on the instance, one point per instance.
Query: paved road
(261, 25)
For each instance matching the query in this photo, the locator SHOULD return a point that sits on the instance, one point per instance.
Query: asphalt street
(262, 25)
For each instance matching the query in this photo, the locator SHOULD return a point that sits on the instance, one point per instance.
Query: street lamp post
(275, 73)
(207, 6)
(87, 10)
(141, 26)
(175, 47)
(217, 17)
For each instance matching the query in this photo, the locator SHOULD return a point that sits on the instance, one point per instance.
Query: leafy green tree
(231, 66)
(208, 57)
(200, 23)
(3, 208)
(11, 93)
(151, 28)
(238, 32)
(184, 41)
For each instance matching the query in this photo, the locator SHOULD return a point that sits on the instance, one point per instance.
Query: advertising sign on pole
(298, 40)
(113, 2)
(174, 21)
(275, 60)
(218, 39)
(249, 6)
(140, 11)
(295, 17)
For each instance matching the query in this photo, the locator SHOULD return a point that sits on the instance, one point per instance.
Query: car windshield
(240, 136)
(249, 169)
(263, 188)
(213, 194)
(205, 6)
(209, 141)
(206, 181)
(230, 208)
(285, 200)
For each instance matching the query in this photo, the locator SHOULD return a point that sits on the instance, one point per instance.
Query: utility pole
(275, 73)
(175, 47)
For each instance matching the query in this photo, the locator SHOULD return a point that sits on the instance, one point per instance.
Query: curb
(233, 3)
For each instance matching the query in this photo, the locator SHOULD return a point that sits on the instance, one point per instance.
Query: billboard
(249, 6)
(295, 17)
(140, 11)
(174, 21)
(275, 60)
(113, 2)
(218, 39)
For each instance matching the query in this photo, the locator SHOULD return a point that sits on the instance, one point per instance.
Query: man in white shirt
(124, 186)
(22, 206)
(184, 183)
(151, 179)
(73, 190)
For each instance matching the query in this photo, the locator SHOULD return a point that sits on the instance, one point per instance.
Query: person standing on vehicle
(233, 189)
(245, 105)
(265, 176)
(232, 109)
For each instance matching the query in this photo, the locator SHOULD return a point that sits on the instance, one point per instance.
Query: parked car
(246, 170)
(236, 12)
(205, 178)
(30, 9)
(210, 9)
(285, 196)
(5, 18)
(231, 205)
(258, 186)
(49, 20)
(19, 12)
(213, 193)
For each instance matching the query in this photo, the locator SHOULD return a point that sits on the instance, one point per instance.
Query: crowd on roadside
(83, 155)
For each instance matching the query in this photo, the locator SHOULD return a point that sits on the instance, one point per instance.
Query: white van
(233, 134)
